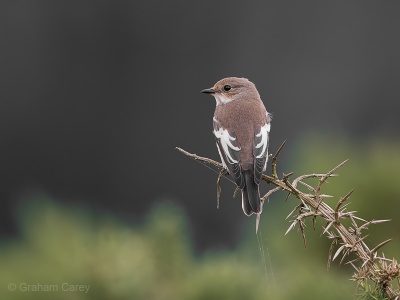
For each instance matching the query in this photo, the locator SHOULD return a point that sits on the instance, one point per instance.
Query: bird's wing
(260, 151)
(229, 150)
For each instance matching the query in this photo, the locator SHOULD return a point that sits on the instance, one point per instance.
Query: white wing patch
(264, 133)
(222, 158)
(226, 141)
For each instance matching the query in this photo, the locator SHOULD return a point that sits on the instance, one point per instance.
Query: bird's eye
(227, 88)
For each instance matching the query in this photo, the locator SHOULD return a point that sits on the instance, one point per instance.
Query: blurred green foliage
(62, 246)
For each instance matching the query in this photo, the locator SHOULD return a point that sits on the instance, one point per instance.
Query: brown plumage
(241, 128)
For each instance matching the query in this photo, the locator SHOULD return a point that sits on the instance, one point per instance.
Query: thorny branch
(347, 239)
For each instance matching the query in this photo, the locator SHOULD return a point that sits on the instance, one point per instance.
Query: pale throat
(221, 99)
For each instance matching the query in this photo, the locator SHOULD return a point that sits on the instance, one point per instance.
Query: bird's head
(232, 88)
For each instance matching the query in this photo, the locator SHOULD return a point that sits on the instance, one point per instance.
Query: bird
(241, 128)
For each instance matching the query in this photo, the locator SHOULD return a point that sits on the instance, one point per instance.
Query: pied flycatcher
(241, 128)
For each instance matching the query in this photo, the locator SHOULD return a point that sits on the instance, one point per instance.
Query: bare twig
(274, 158)
(325, 177)
(340, 202)
(367, 263)
(221, 173)
(270, 192)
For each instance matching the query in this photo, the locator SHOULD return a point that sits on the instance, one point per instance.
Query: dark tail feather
(250, 195)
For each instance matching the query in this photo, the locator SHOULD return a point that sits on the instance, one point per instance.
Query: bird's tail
(250, 195)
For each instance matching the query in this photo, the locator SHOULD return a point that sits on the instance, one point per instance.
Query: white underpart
(225, 138)
(220, 98)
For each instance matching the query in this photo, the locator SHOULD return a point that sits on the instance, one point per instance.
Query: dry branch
(367, 263)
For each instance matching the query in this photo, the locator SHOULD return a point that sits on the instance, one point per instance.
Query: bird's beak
(208, 91)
